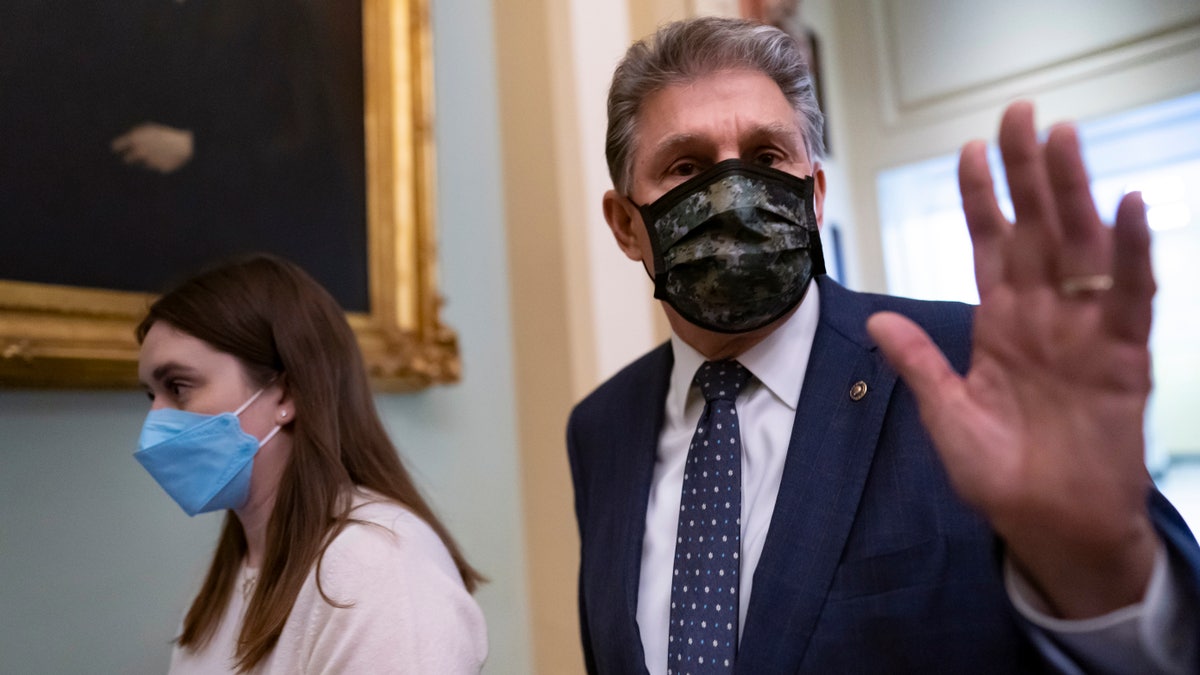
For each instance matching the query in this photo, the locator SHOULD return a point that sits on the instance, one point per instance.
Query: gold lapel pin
(858, 391)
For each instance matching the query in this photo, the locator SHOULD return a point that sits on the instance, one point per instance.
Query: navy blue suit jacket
(871, 563)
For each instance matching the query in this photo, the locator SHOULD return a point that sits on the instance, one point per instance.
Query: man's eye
(684, 169)
(767, 159)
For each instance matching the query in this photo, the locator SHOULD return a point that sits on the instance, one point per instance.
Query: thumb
(916, 358)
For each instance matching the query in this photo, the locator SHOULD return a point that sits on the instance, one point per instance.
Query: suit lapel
(832, 445)
(634, 474)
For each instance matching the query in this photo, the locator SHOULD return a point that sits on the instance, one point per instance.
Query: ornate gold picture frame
(74, 337)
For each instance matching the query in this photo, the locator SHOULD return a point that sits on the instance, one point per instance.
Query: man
(807, 479)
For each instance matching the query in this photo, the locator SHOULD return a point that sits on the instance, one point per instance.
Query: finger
(985, 221)
(943, 402)
(121, 143)
(1086, 244)
(1030, 257)
(916, 358)
(1127, 307)
(133, 154)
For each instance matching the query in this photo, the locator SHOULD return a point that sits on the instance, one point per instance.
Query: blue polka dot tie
(704, 586)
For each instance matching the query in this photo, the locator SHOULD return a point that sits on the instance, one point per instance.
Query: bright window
(1155, 149)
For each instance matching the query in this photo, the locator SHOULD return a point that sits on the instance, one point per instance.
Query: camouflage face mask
(735, 246)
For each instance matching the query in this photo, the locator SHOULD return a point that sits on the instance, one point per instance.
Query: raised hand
(1044, 434)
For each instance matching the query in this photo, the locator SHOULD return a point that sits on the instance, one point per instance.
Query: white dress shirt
(767, 410)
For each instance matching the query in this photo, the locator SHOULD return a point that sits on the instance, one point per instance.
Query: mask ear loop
(242, 408)
(658, 273)
(254, 398)
(266, 439)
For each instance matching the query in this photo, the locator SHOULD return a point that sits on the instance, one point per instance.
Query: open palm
(1044, 433)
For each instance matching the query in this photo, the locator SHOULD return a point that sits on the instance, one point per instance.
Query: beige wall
(570, 328)
(581, 310)
(540, 285)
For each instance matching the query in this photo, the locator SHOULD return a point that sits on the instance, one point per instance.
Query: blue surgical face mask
(202, 461)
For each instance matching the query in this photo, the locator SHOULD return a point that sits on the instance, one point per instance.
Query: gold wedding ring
(1087, 283)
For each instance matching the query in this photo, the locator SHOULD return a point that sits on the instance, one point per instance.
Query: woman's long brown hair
(281, 323)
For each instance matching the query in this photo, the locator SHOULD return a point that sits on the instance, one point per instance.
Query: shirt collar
(779, 362)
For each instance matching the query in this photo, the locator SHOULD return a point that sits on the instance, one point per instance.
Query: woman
(329, 561)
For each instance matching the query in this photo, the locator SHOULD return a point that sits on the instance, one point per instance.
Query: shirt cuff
(1151, 636)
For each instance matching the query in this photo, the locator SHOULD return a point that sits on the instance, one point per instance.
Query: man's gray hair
(683, 51)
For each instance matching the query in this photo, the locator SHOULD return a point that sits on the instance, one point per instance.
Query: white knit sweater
(410, 612)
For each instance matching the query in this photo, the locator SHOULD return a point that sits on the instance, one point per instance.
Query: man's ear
(819, 194)
(624, 220)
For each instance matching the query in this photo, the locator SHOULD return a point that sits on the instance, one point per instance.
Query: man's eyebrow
(777, 129)
(675, 141)
(771, 130)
